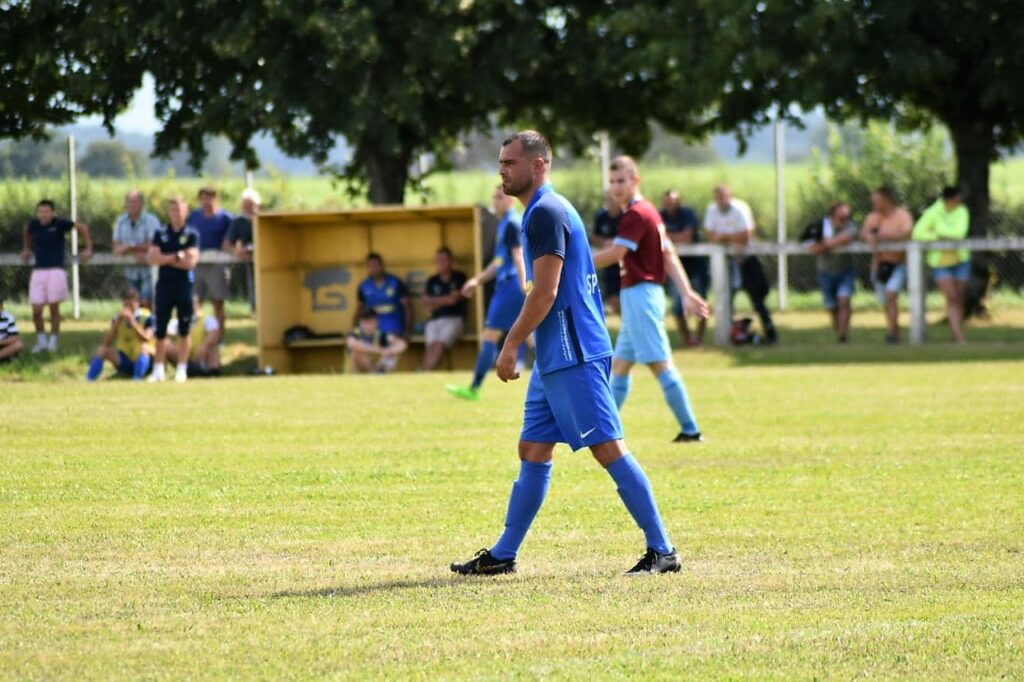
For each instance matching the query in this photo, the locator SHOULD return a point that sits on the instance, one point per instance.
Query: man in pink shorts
(44, 238)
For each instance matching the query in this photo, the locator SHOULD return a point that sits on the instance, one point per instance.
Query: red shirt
(642, 231)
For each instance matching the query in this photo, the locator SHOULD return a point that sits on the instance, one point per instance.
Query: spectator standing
(240, 240)
(368, 340)
(606, 226)
(386, 295)
(443, 298)
(682, 226)
(888, 223)
(10, 340)
(729, 220)
(948, 219)
(212, 280)
(836, 276)
(204, 343)
(43, 238)
(175, 250)
(128, 343)
(133, 234)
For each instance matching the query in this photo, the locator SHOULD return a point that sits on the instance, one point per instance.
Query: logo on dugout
(326, 288)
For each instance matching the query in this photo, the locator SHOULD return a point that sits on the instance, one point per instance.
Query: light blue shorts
(960, 272)
(895, 284)
(573, 405)
(642, 336)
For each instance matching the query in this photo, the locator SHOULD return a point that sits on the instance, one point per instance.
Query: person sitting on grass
(128, 342)
(10, 340)
(367, 341)
(204, 343)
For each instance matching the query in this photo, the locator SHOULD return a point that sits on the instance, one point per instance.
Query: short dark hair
(373, 255)
(836, 206)
(129, 294)
(46, 202)
(626, 164)
(533, 143)
(446, 251)
(207, 190)
(887, 192)
(368, 314)
(950, 192)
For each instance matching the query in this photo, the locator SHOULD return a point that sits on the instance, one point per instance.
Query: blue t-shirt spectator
(386, 300)
(48, 243)
(212, 230)
(683, 219)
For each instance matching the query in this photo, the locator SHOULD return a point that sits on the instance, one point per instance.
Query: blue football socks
(635, 491)
(678, 400)
(142, 366)
(620, 388)
(484, 361)
(95, 369)
(528, 494)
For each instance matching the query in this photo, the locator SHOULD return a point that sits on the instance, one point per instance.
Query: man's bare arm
(547, 273)
(610, 256)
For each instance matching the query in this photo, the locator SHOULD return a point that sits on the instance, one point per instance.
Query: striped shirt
(8, 327)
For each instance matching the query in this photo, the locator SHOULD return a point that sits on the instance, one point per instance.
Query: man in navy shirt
(569, 399)
(606, 227)
(682, 226)
(43, 238)
(212, 279)
(388, 296)
(175, 250)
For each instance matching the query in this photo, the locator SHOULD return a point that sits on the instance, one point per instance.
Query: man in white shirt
(729, 220)
(133, 234)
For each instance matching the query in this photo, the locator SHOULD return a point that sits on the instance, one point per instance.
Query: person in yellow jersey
(204, 348)
(128, 343)
(948, 219)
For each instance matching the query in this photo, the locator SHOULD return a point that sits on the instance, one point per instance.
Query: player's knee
(538, 453)
(658, 368)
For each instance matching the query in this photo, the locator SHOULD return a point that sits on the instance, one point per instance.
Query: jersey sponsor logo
(592, 283)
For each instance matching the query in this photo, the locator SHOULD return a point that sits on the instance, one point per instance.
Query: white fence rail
(916, 285)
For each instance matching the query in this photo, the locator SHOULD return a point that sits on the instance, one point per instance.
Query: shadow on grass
(386, 586)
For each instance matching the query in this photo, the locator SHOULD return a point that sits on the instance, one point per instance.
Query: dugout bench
(308, 267)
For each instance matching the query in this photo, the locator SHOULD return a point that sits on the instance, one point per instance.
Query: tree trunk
(387, 174)
(975, 150)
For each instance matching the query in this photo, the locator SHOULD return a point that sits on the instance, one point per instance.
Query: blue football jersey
(386, 299)
(506, 239)
(574, 331)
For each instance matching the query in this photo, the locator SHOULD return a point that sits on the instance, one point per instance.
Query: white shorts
(48, 285)
(446, 330)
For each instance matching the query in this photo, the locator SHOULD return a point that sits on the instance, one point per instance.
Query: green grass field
(858, 514)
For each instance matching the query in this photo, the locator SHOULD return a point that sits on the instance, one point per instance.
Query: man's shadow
(388, 586)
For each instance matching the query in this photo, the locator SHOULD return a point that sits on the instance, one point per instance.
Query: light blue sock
(528, 494)
(142, 366)
(484, 361)
(620, 388)
(635, 491)
(95, 369)
(678, 401)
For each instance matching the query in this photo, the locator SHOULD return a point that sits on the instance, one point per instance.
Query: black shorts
(178, 299)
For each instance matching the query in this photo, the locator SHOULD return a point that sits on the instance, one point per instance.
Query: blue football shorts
(642, 336)
(505, 305)
(573, 406)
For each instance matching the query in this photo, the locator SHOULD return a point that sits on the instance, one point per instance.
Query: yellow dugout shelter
(308, 267)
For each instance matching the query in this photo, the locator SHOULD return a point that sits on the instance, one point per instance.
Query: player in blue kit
(509, 273)
(569, 398)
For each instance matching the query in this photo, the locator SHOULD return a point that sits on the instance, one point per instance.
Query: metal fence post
(721, 282)
(780, 211)
(915, 293)
(76, 299)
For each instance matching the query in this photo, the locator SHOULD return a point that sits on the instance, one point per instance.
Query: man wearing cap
(240, 239)
(211, 223)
